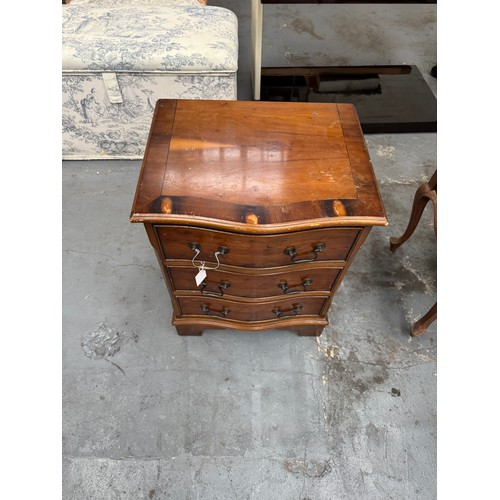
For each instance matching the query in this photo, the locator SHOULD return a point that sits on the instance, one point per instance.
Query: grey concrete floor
(237, 415)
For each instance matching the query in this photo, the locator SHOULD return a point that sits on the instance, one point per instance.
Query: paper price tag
(200, 276)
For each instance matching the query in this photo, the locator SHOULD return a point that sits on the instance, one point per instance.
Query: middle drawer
(268, 283)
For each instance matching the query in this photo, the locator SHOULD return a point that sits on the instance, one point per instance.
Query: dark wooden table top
(350, 1)
(257, 167)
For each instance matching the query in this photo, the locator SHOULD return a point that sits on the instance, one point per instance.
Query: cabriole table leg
(426, 192)
(420, 326)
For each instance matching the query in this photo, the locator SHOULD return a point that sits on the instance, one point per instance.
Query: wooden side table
(427, 191)
(255, 210)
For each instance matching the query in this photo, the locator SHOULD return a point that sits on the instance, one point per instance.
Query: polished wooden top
(256, 167)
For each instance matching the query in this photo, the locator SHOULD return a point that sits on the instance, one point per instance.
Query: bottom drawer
(256, 311)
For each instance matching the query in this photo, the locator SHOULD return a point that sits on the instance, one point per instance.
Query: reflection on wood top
(257, 166)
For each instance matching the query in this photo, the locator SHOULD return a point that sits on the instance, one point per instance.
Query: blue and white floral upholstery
(118, 60)
(141, 2)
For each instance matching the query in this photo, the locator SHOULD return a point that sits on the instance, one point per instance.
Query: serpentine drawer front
(245, 250)
(255, 210)
(262, 283)
(254, 311)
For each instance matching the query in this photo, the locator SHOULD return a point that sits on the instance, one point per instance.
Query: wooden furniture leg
(189, 330)
(310, 331)
(420, 326)
(426, 192)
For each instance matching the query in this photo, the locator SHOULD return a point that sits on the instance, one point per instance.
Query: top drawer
(331, 244)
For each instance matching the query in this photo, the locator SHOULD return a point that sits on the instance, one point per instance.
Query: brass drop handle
(223, 314)
(287, 289)
(223, 285)
(280, 314)
(292, 253)
(222, 250)
(196, 248)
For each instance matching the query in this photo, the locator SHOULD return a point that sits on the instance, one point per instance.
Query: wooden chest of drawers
(255, 210)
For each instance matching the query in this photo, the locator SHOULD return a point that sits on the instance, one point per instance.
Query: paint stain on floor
(104, 341)
(308, 468)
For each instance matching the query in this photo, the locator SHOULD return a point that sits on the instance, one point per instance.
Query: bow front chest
(255, 210)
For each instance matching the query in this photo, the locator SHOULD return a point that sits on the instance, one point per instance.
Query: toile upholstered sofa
(120, 56)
